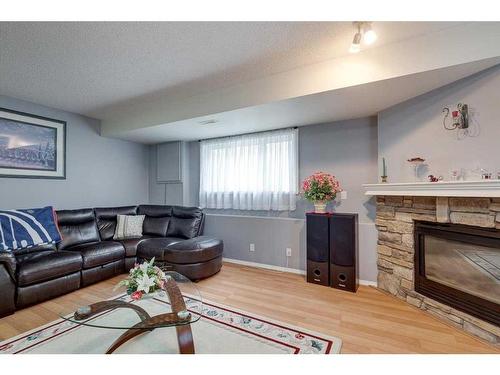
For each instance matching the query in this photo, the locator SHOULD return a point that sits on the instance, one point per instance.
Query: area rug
(221, 330)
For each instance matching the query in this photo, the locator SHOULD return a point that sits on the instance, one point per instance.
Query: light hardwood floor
(367, 322)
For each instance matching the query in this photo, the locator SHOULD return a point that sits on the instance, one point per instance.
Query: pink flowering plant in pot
(320, 188)
(143, 280)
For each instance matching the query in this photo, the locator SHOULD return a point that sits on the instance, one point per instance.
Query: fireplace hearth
(459, 266)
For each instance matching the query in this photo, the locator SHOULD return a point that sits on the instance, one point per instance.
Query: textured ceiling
(90, 67)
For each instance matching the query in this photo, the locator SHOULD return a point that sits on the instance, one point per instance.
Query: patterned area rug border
(297, 339)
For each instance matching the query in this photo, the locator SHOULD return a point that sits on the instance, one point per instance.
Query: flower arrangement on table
(320, 188)
(143, 279)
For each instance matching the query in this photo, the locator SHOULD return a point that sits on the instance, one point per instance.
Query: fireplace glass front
(471, 268)
(459, 266)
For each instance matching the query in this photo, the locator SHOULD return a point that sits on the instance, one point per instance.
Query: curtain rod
(237, 135)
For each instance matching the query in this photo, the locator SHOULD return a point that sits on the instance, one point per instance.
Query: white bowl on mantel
(481, 188)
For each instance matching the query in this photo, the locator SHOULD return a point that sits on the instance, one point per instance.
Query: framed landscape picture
(31, 146)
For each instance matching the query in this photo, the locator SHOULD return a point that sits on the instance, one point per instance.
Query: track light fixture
(356, 42)
(365, 33)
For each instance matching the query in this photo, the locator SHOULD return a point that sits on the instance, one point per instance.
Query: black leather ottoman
(195, 258)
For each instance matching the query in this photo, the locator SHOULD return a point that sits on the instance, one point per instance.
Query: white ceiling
(91, 68)
(335, 105)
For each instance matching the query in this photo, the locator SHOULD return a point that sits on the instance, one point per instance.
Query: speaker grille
(342, 240)
(317, 238)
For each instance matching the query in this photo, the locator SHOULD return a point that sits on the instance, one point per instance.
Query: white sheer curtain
(250, 172)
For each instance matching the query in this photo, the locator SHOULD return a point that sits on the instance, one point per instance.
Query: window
(250, 172)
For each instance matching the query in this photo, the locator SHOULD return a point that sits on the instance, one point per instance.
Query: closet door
(169, 162)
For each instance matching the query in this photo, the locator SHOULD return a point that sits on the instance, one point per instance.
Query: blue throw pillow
(20, 229)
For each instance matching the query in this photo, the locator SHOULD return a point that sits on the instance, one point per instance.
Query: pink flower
(137, 295)
(320, 186)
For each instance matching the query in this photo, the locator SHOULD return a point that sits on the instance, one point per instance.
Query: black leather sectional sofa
(88, 253)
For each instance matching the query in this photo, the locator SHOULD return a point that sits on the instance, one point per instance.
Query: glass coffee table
(178, 305)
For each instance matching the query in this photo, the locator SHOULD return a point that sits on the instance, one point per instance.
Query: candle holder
(384, 171)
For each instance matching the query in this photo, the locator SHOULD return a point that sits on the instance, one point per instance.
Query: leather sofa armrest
(8, 259)
(7, 291)
(195, 243)
(202, 225)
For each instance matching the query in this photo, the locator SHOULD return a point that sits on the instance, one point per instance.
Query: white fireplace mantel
(483, 188)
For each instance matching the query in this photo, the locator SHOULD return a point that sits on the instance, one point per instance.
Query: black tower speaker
(344, 251)
(318, 250)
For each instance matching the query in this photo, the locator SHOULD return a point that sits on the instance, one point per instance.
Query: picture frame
(31, 146)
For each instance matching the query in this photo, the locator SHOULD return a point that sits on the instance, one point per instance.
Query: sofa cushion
(131, 244)
(106, 219)
(35, 249)
(186, 222)
(156, 226)
(76, 227)
(46, 265)
(157, 219)
(154, 210)
(154, 247)
(195, 250)
(98, 253)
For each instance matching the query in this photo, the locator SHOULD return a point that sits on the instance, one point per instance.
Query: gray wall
(99, 171)
(415, 128)
(347, 149)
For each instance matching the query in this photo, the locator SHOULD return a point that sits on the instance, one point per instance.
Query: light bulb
(369, 36)
(356, 43)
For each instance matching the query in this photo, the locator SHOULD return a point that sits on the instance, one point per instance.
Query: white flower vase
(320, 207)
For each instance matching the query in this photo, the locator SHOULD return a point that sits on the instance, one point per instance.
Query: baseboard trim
(282, 269)
(367, 283)
(265, 266)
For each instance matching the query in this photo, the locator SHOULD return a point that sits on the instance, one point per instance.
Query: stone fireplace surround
(395, 224)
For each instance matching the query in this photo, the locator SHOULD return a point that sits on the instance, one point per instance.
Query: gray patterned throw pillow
(128, 226)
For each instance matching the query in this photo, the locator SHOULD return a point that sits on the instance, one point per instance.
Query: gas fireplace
(459, 265)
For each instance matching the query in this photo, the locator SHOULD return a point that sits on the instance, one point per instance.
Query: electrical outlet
(343, 195)
(252, 247)
(288, 251)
